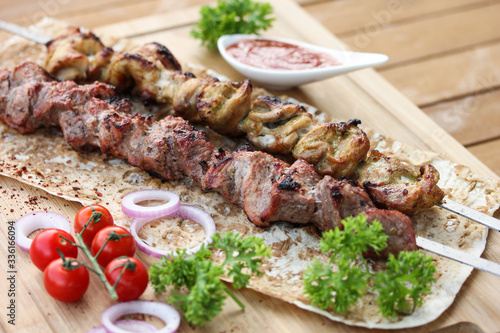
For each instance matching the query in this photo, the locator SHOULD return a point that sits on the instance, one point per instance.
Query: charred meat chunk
(336, 200)
(274, 125)
(397, 226)
(222, 105)
(394, 185)
(334, 149)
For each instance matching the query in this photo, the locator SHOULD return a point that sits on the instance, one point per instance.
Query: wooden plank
(347, 16)
(415, 40)
(35, 312)
(134, 10)
(449, 76)
(471, 119)
(488, 152)
(150, 24)
(362, 94)
(34, 10)
(83, 13)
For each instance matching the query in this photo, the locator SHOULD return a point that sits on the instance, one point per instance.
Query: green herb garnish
(402, 285)
(231, 17)
(337, 284)
(202, 277)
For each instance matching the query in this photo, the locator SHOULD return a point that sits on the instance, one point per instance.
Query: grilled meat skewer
(231, 108)
(268, 189)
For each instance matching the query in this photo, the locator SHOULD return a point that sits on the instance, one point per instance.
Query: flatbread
(44, 160)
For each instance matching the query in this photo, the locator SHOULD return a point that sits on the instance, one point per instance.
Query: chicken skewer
(230, 108)
(82, 56)
(268, 189)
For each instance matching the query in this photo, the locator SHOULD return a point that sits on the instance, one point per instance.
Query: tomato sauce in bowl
(278, 55)
(279, 64)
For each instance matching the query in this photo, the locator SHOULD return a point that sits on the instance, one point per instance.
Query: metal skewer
(470, 213)
(457, 255)
(24, 32)
(426, 244)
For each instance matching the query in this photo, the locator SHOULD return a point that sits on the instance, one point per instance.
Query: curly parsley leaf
(402, 285)
(179, 271)
(355, 238)
(240, 254)
(337, 290)
(206, 295)
(201, 276)
(231, 17)
(337, 284)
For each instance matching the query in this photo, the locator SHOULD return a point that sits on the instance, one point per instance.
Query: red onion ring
(26, 224)
(185, 211)
(165, 312)
(130, 207)
(131, 325)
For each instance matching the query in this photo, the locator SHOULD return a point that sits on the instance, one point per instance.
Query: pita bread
(44, 160)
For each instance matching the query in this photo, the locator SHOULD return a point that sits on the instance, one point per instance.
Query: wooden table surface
(444, 55)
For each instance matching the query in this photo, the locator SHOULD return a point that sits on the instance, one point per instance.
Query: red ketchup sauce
(270, 54)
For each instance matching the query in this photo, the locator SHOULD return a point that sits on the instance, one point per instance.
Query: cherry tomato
(134, 280)
(66, 284)
(117, 246)
(101, 217)
(44, 247)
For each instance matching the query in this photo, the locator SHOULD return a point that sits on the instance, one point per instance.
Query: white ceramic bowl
(286, 79)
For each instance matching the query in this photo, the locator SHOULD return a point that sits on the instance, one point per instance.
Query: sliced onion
(129, 325)
(185, 211)
(26, 224)
(165, 312)
(132, 209)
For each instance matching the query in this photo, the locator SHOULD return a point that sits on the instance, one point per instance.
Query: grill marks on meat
(170, 148)
(293, 195)
(268, 189)
(246, 179)
(337, 200)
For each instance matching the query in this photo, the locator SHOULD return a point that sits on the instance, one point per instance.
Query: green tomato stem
(96, 268)
(95, 217)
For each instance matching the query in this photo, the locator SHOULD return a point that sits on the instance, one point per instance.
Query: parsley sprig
(231, 17)
(339, 283)
(402, 285)
(201, 276)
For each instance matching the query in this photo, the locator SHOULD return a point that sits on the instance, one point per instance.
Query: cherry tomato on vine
(132, 282)
(66, 281)
(44, 247)
(120, 243)
(101, 217)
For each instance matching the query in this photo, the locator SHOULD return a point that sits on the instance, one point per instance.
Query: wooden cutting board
(363, 94)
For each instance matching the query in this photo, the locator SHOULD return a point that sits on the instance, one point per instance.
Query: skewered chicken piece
(269, 123)
(268, 189)
(276, 125)
(398, 186)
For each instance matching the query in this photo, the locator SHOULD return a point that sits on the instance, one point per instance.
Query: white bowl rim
(227, 40)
